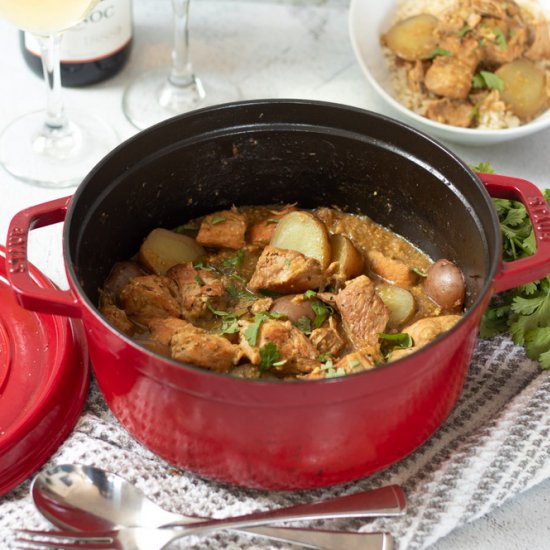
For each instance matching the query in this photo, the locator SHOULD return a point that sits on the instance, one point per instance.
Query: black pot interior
(265, 152)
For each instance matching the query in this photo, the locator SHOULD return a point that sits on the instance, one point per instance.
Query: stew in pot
(264, 292)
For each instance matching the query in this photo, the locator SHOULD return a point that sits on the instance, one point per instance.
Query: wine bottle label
(107, 29)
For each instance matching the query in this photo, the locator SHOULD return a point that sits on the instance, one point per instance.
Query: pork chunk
(363, 313)
(190, 344)
(390, 269)
(150, 296)
(225, 229)
(296, 352)
(118, 318)
(453, 112)
(449, 77)
(197, 288)
(286, 271)
(540, 46)
(327, 339)
(261, 232)
(424, 331)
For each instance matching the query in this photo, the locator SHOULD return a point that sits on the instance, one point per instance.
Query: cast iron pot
(270, 434)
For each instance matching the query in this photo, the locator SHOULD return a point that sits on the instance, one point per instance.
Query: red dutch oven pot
(272, 434)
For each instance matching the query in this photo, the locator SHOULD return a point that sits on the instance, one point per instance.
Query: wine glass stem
(56, 119)
(181, 70)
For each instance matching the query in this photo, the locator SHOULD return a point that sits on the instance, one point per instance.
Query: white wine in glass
(163, 93)
(47, 148)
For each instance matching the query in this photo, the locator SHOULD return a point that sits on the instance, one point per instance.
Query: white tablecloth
(493, 447)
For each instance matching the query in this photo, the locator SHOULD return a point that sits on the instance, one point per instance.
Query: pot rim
(482, 297)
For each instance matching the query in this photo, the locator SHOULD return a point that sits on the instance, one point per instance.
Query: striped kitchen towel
(493, 446)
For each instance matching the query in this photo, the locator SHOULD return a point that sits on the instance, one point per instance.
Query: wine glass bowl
(162, 93)
(47, 148)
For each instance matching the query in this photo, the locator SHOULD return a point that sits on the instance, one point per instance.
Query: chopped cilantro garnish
(230, 325)
(269, 356)
(203, 266)
(322, 312)
(486, 79)
(440, 52)
(186, 227)
(237, 293)
(216, 219)
(235, 260)
(397, 340)
(199, 280)
(500, 38)
(271, 220)
(308, 294)
(303, 324)
(251, 331)
(419, 272)
(354, 363)
(464, 31)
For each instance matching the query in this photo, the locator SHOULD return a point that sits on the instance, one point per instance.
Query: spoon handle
(326, 540)
(386, 501)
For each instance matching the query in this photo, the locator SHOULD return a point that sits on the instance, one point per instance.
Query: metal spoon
(86, 498)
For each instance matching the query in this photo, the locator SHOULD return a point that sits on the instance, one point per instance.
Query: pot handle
(27, 292)
(534, 267)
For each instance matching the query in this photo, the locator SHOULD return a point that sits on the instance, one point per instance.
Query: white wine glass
(160, 94)
(49, 148)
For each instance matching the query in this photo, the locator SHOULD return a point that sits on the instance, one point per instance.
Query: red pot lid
(44, 376)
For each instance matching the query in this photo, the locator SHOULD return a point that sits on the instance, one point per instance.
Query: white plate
(368, 19)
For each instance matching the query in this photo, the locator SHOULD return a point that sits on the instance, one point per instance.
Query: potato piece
(399, 301)
(303, 232)
(524, 88)
(349, 258)
(294, 307)
(163, 249)
(444, 284)
(413, 38)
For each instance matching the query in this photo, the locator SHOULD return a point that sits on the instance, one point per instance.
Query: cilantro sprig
(523, 311)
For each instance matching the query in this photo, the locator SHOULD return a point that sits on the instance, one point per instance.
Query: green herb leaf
(464, 31)
(486, 79)
(500, 38)
(269, 356)
(251, 331)
(483, 167)
(216, 219)
(235, 260)
(303, 324)
(419, 272)
(399, 339)
(198, 280)
(186, 227)
(439, 52)
(308, 294)
(322, 312)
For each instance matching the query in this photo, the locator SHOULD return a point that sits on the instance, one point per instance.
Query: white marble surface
(267, 49)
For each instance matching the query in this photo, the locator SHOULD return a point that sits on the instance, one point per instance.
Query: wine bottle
(92, 51)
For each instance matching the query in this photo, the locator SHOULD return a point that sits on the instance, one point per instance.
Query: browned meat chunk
(424, 331)
(415, 76)
(327, 339)
(449, 77)
(261, 232)
(454, 112)
(356, 361)
(118, 318)
(390, 269)
(540, 46)
(286, 271)
(466, 49)
(297, 353)
(150, 296)
(197, 288)
(190, 344)
(493, 8)
(363, 313)
(225, 229)
(501, 43)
